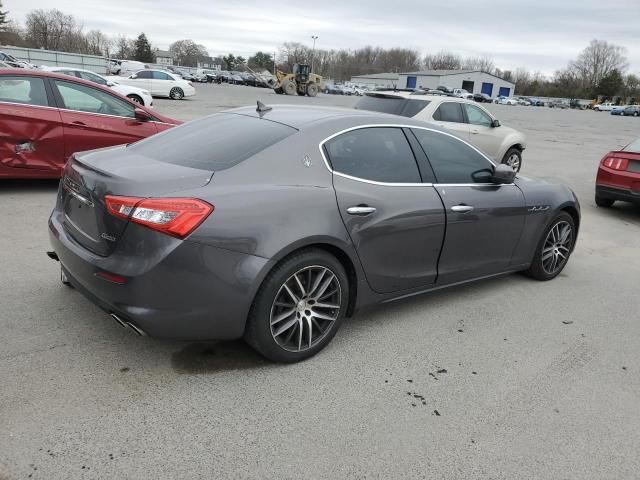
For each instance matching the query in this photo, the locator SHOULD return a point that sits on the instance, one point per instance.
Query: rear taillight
(173, 216)
(190, 84)
(615, 163)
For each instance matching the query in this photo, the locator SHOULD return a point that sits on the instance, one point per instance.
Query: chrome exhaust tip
(128, 325)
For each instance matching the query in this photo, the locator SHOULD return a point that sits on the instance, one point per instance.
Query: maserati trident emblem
(306, 161)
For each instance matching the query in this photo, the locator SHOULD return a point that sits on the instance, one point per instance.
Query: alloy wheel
(514, 161)
(556, 248)
(305, 308)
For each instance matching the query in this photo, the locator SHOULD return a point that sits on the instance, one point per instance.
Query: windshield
(391, 104)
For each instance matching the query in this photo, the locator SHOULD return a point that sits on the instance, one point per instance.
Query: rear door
(395, 221)
(481, 131)
(449, 115)
(31, 134)
(484, 220)
(93, 118)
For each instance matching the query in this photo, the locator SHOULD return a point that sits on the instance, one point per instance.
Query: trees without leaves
(187, 52)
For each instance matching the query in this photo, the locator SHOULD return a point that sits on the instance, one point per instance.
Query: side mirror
(141, 115)
(495, 123)
(503, 174)
(110, 83)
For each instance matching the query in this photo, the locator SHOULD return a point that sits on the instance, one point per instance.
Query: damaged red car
(46, 117)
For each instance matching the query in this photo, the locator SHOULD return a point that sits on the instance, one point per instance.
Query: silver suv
(465, 118)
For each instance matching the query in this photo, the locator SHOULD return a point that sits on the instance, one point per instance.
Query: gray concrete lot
(505, 379)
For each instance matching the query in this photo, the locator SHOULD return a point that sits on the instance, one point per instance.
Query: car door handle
(361, 210)
(78, 123)
(462, 208)
(475, 132)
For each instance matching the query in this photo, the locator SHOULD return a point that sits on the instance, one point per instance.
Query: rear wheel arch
(339, 252)
(571, 210)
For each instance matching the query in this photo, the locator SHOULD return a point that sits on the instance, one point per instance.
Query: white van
(125, 67)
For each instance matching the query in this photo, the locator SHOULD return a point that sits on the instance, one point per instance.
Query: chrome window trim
(27, 105)
(391, 184)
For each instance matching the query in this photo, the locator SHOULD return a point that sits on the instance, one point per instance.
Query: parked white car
(159, 82)
(462, 93)
(604, 107)
(467, 119)
(506, 101)
(135, 94)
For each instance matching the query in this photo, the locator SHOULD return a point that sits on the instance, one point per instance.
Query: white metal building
(473, 81)
(388, 80)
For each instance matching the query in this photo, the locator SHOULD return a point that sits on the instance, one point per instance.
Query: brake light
(174, 216)
(615, 163)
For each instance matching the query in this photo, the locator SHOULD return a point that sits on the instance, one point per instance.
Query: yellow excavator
(300, 82)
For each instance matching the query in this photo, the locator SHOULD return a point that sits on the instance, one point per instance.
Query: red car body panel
(619, 182)
(36, 140)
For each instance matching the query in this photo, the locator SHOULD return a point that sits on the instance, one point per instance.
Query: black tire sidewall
(258, 330)
(136, 99)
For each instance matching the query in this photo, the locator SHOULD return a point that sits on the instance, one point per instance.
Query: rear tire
(299, 307)
(554, 249)
(289, 87)
(176, 93)
(604, 202)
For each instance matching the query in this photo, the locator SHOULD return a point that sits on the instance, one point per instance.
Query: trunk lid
(89, 176)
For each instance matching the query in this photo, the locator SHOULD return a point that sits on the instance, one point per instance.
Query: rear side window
(449, 112)
(25, 90)
(381, 154)
(160, 76)
(391, 104)
(213, 143)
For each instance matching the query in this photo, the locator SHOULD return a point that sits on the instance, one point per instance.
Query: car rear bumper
(194, 292)
(615, 193)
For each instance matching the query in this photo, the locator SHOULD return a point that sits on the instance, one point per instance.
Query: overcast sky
(540, 35)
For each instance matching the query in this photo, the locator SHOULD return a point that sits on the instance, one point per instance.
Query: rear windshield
(633, 146)
(391, 104)
(213, 143)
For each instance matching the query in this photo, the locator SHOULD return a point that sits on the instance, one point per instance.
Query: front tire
(312, 89)
(513, 158)
(554, 249)
(135, 99)
(176, 93)
(299, 307)
(289, 87)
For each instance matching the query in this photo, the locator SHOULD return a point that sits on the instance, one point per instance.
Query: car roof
(302, 117)
(418, 96)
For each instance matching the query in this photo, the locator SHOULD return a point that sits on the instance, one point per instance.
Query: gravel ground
(505, 379)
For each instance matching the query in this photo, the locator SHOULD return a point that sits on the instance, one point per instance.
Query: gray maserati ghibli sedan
(275, 224)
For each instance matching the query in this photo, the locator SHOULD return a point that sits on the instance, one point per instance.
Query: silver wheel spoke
(322, 316)
(285, 327)
(324, 286)
(302, 290)
(316, 284)
(325, 305)
(283, 316)
(295, 299)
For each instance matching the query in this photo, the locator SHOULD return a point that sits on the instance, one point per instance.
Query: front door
(395, 221)
(484, 220)
(482, 133)
(31, 135)
(93, 118)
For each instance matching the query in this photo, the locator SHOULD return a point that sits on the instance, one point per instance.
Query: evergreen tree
(142, 51)
(3, 18)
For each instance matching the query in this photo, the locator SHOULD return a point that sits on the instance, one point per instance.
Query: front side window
(476, 116)
(82, 98)
(143, 74)
(381, 154)
(452, 160)
(19, 89)
(449, 112)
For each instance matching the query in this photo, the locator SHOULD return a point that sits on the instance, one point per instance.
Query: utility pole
(275, 69)
(313, 50)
